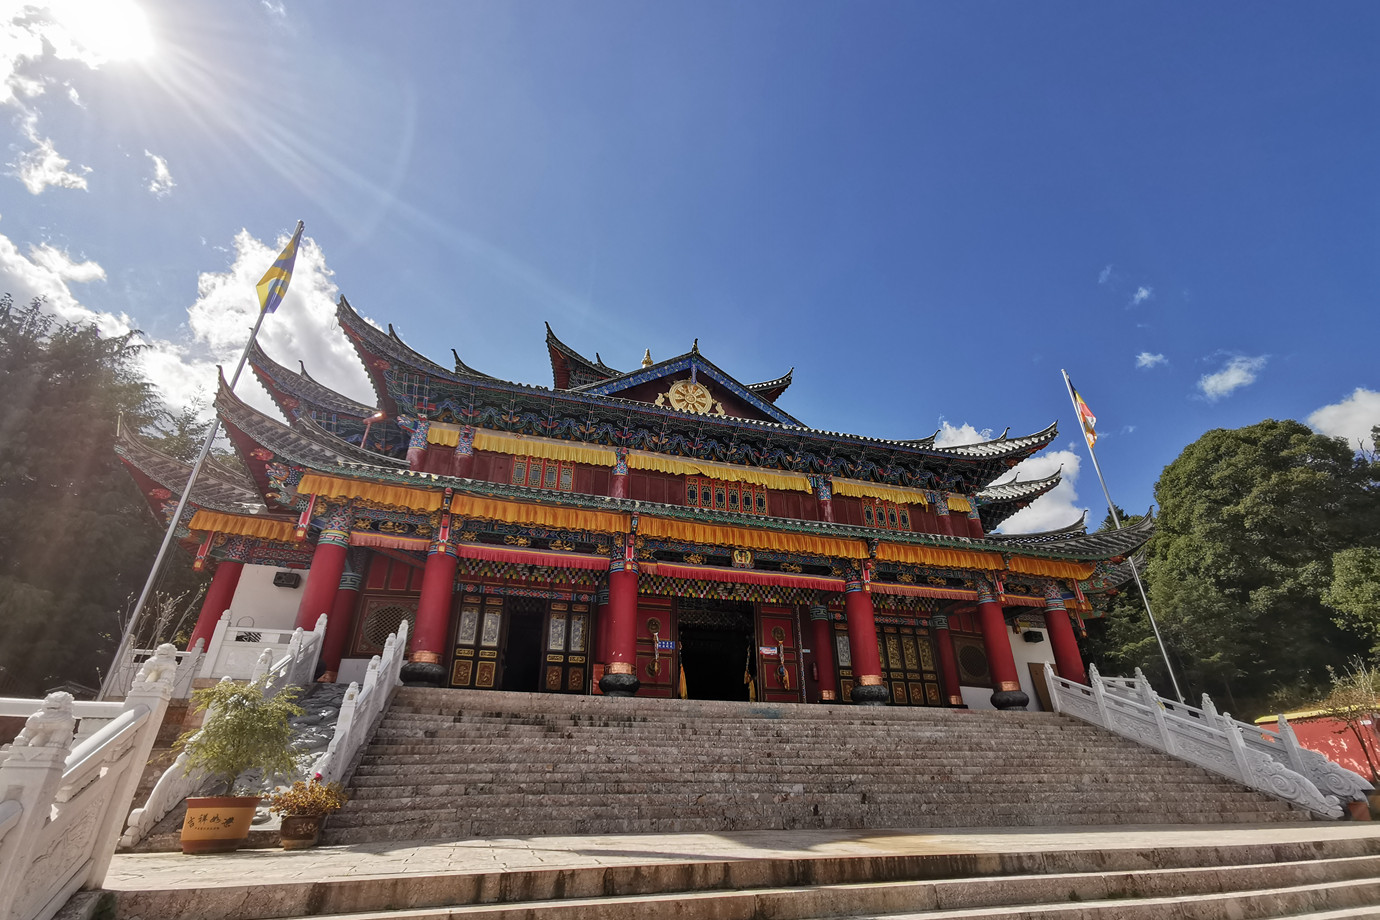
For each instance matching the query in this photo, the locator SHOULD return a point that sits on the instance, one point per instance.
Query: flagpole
(1116, 519)
(128, 633)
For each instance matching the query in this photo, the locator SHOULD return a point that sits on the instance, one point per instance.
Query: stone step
(1333, 879)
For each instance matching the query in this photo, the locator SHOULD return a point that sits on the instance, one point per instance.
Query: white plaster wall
(1024, 652)
(258, 602)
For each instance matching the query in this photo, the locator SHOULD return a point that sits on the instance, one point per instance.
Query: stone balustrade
(1272, 763)
(64, 800)
(362, 708)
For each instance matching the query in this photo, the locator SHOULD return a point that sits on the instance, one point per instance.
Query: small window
(867, 515)
(692, 493)
(534, 473)
(732, 499)
(551, 471)
(905, 518)
(761, 503)
(567, 478)
(519, 471)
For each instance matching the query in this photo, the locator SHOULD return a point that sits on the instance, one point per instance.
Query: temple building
(666, 531)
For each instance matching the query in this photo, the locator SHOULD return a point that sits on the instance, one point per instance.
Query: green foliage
(1355, 591)
(243, 730)
(78, 538)
(1242, 555)
(313, 799)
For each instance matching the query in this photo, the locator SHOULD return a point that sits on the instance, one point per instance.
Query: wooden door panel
(778, 655)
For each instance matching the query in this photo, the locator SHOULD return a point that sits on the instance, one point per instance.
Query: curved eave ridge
(596, 368)
(1016, 490)
(304, 440)
(1003, 446)
(217, 488)
(1101, 545)
(390, 344)
(1078, 526)
(277, 379)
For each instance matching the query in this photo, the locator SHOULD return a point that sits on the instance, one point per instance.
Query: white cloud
(60, 263)
(952, 436)
(218, 323)
(44, 166)
(162, 184)
(1350, 419)
(1105, 275)
(1141, 295)
(1146, 359)
(1238, 372)
(1059, 506)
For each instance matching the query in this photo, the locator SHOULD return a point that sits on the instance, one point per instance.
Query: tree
(77, 538)
(1355, 702)
(1249, 521)
(1355, 591)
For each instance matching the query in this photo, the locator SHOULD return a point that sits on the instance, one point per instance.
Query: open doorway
(716, 649)
(522, 651)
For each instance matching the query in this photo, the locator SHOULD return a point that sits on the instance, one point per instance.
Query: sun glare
(111, 30)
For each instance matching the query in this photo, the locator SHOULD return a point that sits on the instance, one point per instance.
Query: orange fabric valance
(958, 503)
(547, 448)
(742, 576)
(494, 509)
(719, 535)
(243, 525)
(934, 555)
(395, 496)
(1052, 568)
(879, 587)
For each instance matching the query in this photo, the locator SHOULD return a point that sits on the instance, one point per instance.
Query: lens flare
(104, 30)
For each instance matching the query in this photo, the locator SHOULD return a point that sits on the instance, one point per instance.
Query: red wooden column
(601, 626)
(824, 495)
(997, 639)
(327, 565)
(822, 639)
(620, 678)
(1067, 660)
(618, 482)
(974, 519)
(464, 452)
(339, 624)
(432, 629)
(948, 661)
(862, 645)
(217, 600)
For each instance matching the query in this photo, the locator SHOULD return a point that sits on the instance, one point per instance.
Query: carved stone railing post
(1151, 700)
(1056, 693)
(153, 687)
(1238, 749)
(29, 780)
(213, 647)
(1099, 695)
(262, 665)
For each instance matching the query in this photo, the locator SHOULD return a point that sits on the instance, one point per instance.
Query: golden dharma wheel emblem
(687, 396)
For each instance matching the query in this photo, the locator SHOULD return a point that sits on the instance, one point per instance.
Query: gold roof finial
(647, 358)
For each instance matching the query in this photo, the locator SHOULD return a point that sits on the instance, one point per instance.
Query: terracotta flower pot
(298, 832)
(217, 824)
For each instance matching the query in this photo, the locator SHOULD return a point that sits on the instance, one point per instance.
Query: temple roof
(281, 382)
(1072, 539)
(597, 412)
(571, 369)
(997, 503)
(218, 488)
(771, 390)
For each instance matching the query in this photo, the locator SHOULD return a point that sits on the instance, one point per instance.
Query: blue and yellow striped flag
(274, 284)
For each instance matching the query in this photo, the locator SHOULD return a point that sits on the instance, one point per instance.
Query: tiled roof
(218, 488)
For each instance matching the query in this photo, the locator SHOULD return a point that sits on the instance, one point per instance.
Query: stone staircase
(449, 764)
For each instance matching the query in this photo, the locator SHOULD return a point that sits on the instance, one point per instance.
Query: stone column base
(870, 694)
(619, 684)
(1010, 699)
(422, 674)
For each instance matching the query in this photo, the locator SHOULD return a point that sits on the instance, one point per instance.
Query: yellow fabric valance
(935, 555)
(1053, 568)
(898, 494)
(241, 525)
(443, 435)
(395, 496)
(959, 503)
(546, 448)
(494, 509)
(719, 535)
(681, 466)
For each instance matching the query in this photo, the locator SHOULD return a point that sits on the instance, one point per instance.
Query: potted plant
(244, 729)
(304, 808)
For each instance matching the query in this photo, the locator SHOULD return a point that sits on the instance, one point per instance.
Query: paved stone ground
(136, 871)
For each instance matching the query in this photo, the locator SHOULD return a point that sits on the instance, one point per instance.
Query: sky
(926, 209)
